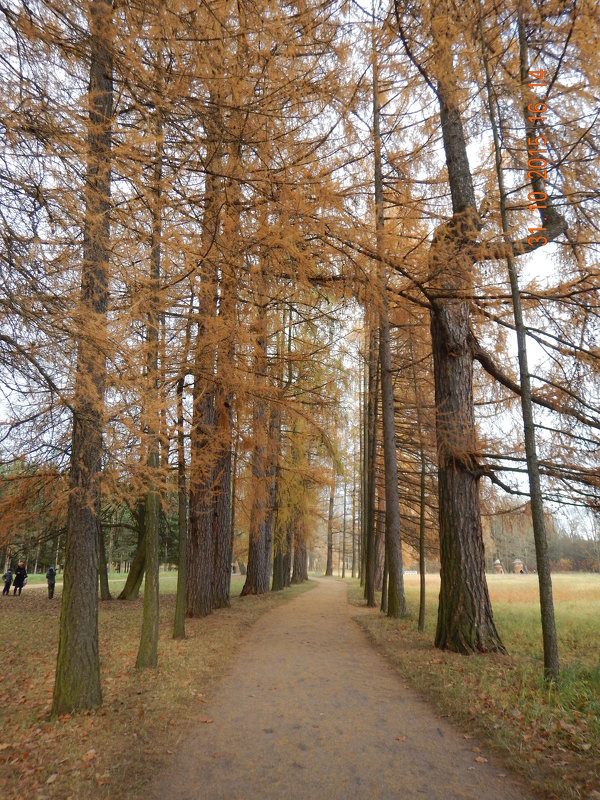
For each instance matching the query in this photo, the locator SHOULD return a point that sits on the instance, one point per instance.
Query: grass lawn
(105, 753)
(550, 734)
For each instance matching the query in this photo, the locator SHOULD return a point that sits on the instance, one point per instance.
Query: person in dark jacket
(7, 578)
(20, 578)
(51, 578)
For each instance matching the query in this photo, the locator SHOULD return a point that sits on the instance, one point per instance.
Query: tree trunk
(549, 638)
(422, 545)
(384, 586)
(221, 521)
(236, 447)
(300, 571)
(136, 571)
(373, 394)
(180, 605)
(104, 587)
(148, 649)
(200, 550)
(344, 536)
(287, 557)
(395, 605)
(257, 579)
(465, 621)
(379, 544)
(329, 567)
(354, 565)
(77, 683)
(278, 579)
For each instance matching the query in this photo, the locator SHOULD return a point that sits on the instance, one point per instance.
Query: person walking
(20, 578)
(7, 578)
(51, 578)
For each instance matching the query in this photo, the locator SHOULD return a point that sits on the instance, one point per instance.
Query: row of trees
(207, 213)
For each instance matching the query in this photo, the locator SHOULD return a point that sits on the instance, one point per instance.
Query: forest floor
(309, 708)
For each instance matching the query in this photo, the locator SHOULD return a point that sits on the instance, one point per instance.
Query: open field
(550, 734)
(105, 753)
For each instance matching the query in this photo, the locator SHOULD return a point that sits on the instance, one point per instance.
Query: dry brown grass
(550, 735)
(109, 752)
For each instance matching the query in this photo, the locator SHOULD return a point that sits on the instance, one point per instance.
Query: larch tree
(77, 683)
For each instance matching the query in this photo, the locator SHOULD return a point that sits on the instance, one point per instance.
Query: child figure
(51, 578)
(7, 578)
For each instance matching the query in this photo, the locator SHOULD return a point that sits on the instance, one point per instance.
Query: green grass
(549, 733)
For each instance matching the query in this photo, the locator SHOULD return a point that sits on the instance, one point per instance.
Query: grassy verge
(549, 734)
(106, 753)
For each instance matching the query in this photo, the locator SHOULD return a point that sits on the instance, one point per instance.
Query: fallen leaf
(400, 738)
(52, 778)
(205, 720)
(481, 760)
(89, 756)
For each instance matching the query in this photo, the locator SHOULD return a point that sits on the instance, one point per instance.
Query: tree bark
(221, 521)
(136, 572)
(104, 587)
(180, 605)
(549, 638)
(200, 551)
(373, 393)
(148, 648)
(465, 620)
(395, 605)
(202, 462)
(287, 557)
(77, 683)
(329, 567)
(257, 578)
(300, 571)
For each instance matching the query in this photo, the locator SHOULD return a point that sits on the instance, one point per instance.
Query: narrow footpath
(309, 710)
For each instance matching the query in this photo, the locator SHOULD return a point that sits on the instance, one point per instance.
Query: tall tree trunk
(278, 578)
(200, 554)
(148, 648)
(329, 567)
(344, 536)
(396, 601)
(465, 620)
(77, 683)
(379, 544)
(373, 395)
(278, 531)
(354, 565)
(300, 570)
(549, 638)
(385, 586)
(287, 557)
(221, 521)
(180, 607)
(257, 578)
(200, 539)
(421, 624)
(236, 447)
(136, 571)
(363, 392)
(273, 469)
(103, 569)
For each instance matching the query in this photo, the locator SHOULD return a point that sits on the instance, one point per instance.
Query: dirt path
(310, 711)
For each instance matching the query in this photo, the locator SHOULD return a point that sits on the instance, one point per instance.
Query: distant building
(518, 566)
(498, 568)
